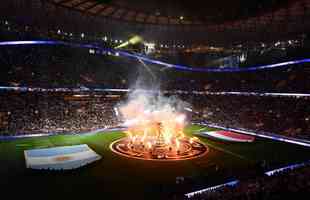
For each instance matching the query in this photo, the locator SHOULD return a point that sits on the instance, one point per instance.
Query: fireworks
(155, 130)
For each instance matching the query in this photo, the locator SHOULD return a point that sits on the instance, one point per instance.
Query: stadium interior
(155, 99)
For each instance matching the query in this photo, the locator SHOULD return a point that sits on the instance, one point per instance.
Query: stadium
(180, 100)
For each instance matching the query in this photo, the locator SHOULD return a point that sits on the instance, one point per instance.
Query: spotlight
(133, 40)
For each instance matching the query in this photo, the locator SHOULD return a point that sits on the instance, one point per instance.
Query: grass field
(116, 177)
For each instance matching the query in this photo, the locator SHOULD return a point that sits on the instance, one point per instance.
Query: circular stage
(182, 149)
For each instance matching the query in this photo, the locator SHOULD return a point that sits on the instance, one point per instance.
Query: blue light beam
(157, 62)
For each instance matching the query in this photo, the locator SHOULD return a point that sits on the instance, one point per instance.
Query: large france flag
(60, 158)
(228, 136)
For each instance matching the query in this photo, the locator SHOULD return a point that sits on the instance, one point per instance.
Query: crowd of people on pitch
(32, 113)
(282, 185)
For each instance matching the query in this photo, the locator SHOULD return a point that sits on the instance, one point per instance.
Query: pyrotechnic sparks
(149, 115)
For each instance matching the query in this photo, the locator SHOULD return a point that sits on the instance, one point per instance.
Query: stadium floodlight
(149, 47)
(133, 40)
(91, 51)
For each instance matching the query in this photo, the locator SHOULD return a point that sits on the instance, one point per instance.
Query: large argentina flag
(60, 158)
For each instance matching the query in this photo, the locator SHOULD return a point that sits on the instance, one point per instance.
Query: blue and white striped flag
(60, 158)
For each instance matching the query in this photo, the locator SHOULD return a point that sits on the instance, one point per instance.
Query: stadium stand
(261, 35)
(25, 113)
(287, 116)
(285, 184)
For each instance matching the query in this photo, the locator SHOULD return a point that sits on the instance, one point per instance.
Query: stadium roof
(173, 12)
(216, 23)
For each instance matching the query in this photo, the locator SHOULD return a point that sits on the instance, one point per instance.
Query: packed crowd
(55, 113)
(60, 66)
(283, 185)
(289, 116)
(31, 112)
(74, 67)
(52, 67)
(291, 79)
(55, 66)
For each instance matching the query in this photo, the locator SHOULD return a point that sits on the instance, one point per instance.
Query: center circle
(186, 149)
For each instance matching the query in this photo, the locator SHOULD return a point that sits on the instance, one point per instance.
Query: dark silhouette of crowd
(282, 185)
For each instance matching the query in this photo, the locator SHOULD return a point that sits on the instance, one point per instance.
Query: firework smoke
(144, 110)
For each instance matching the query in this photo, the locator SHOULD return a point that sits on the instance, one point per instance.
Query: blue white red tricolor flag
(228, 136)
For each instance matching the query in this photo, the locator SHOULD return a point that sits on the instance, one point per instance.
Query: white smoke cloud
(151, 105)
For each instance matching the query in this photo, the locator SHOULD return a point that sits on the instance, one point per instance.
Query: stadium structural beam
(63, 1)
(92, 6)
(80, 3)
(101, 10)
(115, 9)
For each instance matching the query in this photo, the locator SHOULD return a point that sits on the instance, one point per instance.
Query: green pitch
(116, 177)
